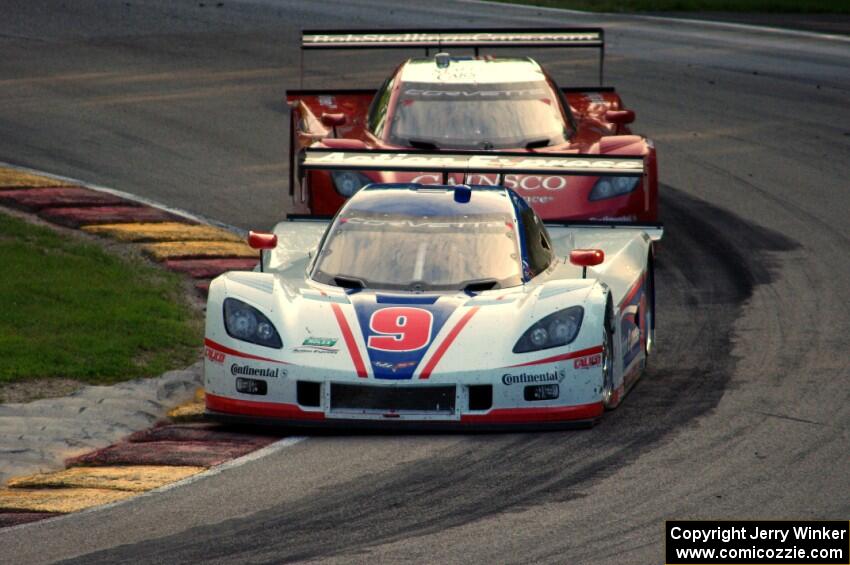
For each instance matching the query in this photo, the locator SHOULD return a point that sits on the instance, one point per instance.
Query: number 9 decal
(400, 329)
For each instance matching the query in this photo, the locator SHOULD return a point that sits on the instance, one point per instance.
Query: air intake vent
(480, 397)
(309, 394)
(421, 399)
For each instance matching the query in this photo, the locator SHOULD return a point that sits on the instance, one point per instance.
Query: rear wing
(465, 163)
(484, 162)
(476, 39)
(655, 231)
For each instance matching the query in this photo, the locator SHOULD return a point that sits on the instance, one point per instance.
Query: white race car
(433, 305)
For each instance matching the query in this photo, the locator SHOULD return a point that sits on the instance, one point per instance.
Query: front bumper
(565, 390)
(273, 414)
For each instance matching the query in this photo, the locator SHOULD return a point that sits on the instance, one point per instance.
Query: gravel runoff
(38, 436)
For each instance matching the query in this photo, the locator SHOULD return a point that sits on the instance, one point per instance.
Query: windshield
(417, 252)
(477, 116)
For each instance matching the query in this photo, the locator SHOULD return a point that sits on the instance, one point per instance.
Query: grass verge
(764, 6)
(72, 310)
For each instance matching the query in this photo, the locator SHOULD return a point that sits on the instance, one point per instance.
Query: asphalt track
(743, 414)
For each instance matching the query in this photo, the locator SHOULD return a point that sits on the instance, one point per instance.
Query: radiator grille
(427, 399)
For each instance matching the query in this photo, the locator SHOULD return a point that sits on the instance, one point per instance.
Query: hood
(392, 336)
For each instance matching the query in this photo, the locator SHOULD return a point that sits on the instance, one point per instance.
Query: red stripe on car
(441, 350)
(348, 336)
(224, 349)
(562, 357)
(536, 415)
(260, 409)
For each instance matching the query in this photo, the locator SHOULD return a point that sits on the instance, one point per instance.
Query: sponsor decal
(614, 219)
(630, 332)
(424, 224)
(522, 378)
(320, 341)
(588, 361)
(398, 330)
(632, 338)
(317, 159)
(249, 371)
(394, 366)
(539, 199)
(317, 345)
(514, 182)
(315, 349)
(501, 94)
(214, 356)
(450, 39)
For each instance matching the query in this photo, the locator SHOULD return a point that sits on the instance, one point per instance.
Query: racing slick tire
(608, 357)
(649, 315)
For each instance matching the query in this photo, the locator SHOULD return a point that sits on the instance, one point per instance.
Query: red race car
(452, 103)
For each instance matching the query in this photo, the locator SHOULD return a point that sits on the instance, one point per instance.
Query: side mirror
(333, 120)
(262, 240)
(585, 258)
(620, 117)
(343, 143)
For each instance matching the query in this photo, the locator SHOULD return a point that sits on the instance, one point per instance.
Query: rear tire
(608, 358)
(649, 315)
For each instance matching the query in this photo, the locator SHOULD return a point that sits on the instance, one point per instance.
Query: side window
(378, 109)
(571, 126)
(537, 244)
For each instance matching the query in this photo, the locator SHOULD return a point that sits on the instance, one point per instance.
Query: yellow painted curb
(192, 410)
(13, 178)
(166, 231)
(58, 499)
(173, 250)
(134, 478)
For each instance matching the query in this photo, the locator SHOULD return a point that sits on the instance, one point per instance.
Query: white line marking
(663, 19)
(211, 472)
(232, 464)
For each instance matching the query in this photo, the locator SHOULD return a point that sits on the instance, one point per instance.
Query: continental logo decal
(538, 163)
(589, 38)
(523, 378)
(248, 371)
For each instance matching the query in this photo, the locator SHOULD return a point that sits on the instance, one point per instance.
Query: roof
(429, 200)
(466, 70)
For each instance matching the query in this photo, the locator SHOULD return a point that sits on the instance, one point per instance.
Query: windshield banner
(495, 91)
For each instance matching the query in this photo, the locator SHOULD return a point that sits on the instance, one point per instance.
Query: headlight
(554, 330)
(609, 187)
(249, 324)
(349, 182)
